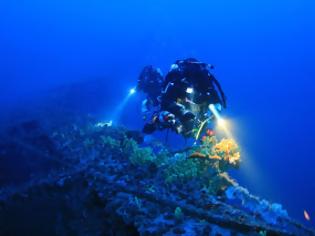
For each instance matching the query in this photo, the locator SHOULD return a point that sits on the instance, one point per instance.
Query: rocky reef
(82, 178)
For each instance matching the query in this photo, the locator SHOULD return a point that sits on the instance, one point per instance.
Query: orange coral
(228, 150)
(210, 132)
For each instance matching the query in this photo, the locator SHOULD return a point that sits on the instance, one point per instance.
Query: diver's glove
(218, 106)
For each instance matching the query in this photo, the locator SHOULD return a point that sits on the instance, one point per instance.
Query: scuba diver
(150, 82)
(187, 91)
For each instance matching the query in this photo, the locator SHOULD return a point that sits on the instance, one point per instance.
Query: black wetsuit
(194, 74)
(150, 81)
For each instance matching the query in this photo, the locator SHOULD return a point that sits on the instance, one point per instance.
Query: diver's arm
(223, 97)
(145, 106)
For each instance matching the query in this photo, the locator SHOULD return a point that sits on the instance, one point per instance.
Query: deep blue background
(263, 51)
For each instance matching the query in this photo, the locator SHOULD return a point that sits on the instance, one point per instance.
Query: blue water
(263, 52)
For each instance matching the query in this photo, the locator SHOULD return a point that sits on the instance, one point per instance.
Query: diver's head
(191, 60)
(191, 67)
(150, 79)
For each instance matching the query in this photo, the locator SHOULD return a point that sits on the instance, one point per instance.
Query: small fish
(216, 157)
(211, 206)
(307, 216)
(197, 155)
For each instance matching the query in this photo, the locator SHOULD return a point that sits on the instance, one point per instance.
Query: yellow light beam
(222, 123)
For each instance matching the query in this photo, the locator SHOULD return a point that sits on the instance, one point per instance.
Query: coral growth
(228, 151)
(109, 184)
(272, 213)
(181, 169)
(137, 155)
(225, 153)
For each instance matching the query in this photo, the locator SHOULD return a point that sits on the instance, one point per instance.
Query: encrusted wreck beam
(196, 212)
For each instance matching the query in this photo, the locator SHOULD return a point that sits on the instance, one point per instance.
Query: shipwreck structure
(85, 179)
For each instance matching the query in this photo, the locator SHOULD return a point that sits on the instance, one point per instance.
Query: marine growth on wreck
(106, 181)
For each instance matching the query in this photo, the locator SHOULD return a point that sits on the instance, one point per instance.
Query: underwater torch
(222, 123)
(132, 91)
